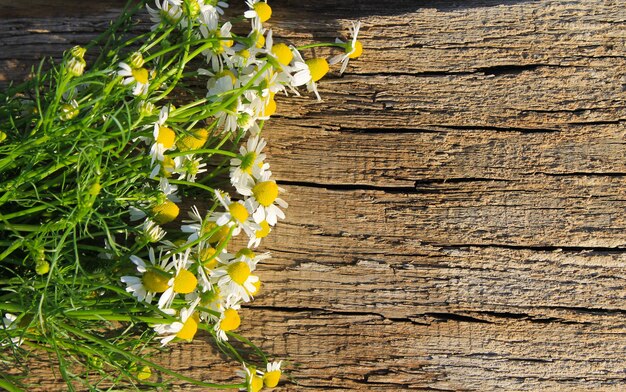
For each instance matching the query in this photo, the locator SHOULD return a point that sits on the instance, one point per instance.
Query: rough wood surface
(457, 201)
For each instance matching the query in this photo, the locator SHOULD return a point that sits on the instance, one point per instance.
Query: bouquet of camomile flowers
(135, 193)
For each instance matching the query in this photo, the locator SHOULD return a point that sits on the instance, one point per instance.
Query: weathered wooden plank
(456, 210)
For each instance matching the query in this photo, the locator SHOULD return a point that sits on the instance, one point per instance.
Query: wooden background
(457, 202)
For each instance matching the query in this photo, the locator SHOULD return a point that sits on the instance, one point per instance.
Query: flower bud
(146, 108)
(136, 60)
(68, 111)
(78, 51)
(76, 66)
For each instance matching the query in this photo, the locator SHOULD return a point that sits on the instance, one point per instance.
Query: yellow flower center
(239, 272)
(165, 212)
(167, 166)
(256, 383)
(206, 260)
(358, 50)
(94, 189)
(219, 235)
(185, 282)
(270, 108)
(245, 53)
(265, 192)
(257, 287)
(144, 373)
(189, 329)
(263, 10)
(230, 321)
(270, 379)
(318, 68)
(247, 162)
(283, 53)
(166, 137)
(265, 230)
(195, 141)
(194, 8)
(140, 75)
(238, 211)
(260, 41)
(155, 281)
(246, 252)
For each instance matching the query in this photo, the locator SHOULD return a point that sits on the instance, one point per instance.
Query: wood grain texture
(456, 216)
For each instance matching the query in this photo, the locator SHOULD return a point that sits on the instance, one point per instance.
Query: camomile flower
(249, 164)
(199, 227)
(353, 49)
(138, 77)
(169, 190)
(235, 279)
(253, 381)
(210, 298)
(152, 232)
(190, 168)
(167, 12)
(227, 118)
(229, 321)
(183, 281)
(166, 167)
(164, 137)
(221, 50)
(184, 329)
(263, 232)
(154, 277)
(308, 72)
(300, 72)
(265, 201)
(272, 374)
(259, 12)
(237, 214)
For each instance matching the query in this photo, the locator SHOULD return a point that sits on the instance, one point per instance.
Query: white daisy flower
(235, 279)
(229, 321)
(249, 164)
(272, 373)
(184, 329)
(168, 12)
(166, 167)
(164, 137)
(352, 51)
(138, 77)
(263, 194)
(259, 12)
(301, 74)
(308, 72)
(210, 14)
(221, 50)
(227, 118)
(237, 214)
(169, 190)
(199, 227)
(152, 232)
(210, 298)
(263, 232)
(190, 168)
(183, 281)
(154, 277)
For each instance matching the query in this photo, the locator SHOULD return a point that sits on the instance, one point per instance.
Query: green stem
(113, 348)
